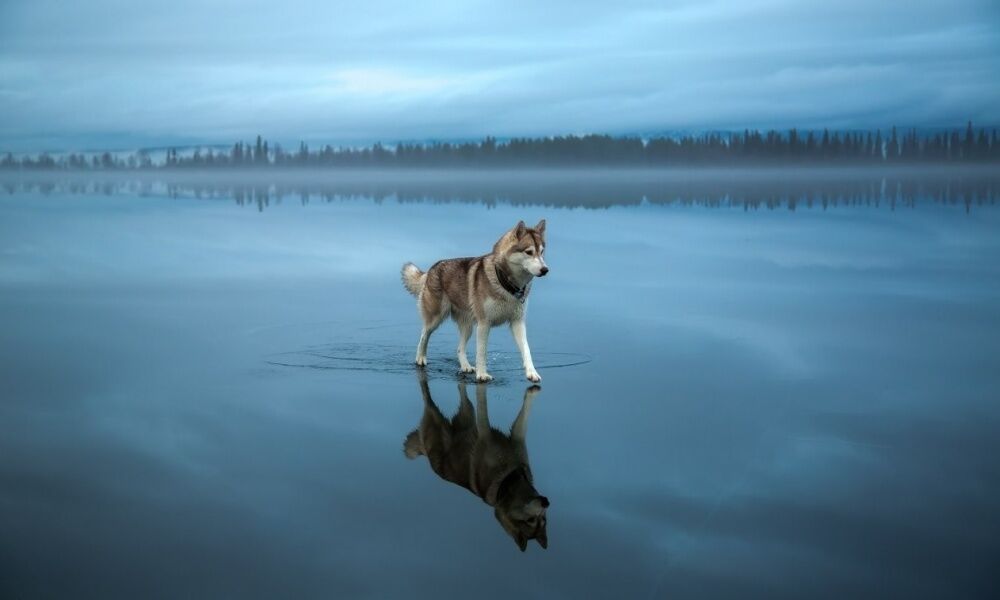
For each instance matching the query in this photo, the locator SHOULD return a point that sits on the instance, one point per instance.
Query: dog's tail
(413, 447)
(413, 278)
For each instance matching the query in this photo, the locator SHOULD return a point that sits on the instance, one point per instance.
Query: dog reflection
(467, 451)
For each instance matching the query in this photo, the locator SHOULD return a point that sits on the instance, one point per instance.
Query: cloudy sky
(117, 73)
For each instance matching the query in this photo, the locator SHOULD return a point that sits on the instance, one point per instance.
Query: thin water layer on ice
(200, 398)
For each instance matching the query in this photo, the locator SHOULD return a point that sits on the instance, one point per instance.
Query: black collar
(508, 285)
(504, 485)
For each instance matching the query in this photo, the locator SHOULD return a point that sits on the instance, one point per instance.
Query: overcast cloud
(110, 73)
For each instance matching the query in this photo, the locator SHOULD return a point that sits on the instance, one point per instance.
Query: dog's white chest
(502, 311)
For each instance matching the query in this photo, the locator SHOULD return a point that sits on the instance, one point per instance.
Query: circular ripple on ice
(359, 356)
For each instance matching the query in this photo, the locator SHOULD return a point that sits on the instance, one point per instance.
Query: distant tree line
(747, 147)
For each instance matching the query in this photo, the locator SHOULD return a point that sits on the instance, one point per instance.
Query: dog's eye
(530, 251)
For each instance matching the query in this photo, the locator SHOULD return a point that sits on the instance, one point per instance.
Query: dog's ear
(542, 537)
(519, 229)
(540, 228)
(522, 541)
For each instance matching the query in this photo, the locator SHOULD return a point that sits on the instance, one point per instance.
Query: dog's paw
(467, 369)
(421, 361)
(533, 376)
(483, 377)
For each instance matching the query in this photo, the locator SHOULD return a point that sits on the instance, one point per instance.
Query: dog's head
(524, 519)
(524, 248)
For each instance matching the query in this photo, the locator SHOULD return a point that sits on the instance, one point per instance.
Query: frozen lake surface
(752, 387)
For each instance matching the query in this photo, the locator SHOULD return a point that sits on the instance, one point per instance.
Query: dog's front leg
(464, 333)
(482, 413)
(519, 430)
(521, 337)
(482, 337)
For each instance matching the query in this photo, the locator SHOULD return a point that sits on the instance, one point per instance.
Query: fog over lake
(756, 383)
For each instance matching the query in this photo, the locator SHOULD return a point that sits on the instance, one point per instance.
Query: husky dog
(488, 290)
(467, 451)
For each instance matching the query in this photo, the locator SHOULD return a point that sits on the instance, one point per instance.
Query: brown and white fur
(470, 290)
(466, 450)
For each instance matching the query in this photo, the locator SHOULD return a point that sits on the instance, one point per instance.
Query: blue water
(207, 398)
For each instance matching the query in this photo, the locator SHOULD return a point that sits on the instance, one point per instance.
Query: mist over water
(207, 384)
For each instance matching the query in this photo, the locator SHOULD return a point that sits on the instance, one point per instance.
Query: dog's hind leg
(464, 333)
(425, 337)
(433, 313)
(413, 446)
(425, 390)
